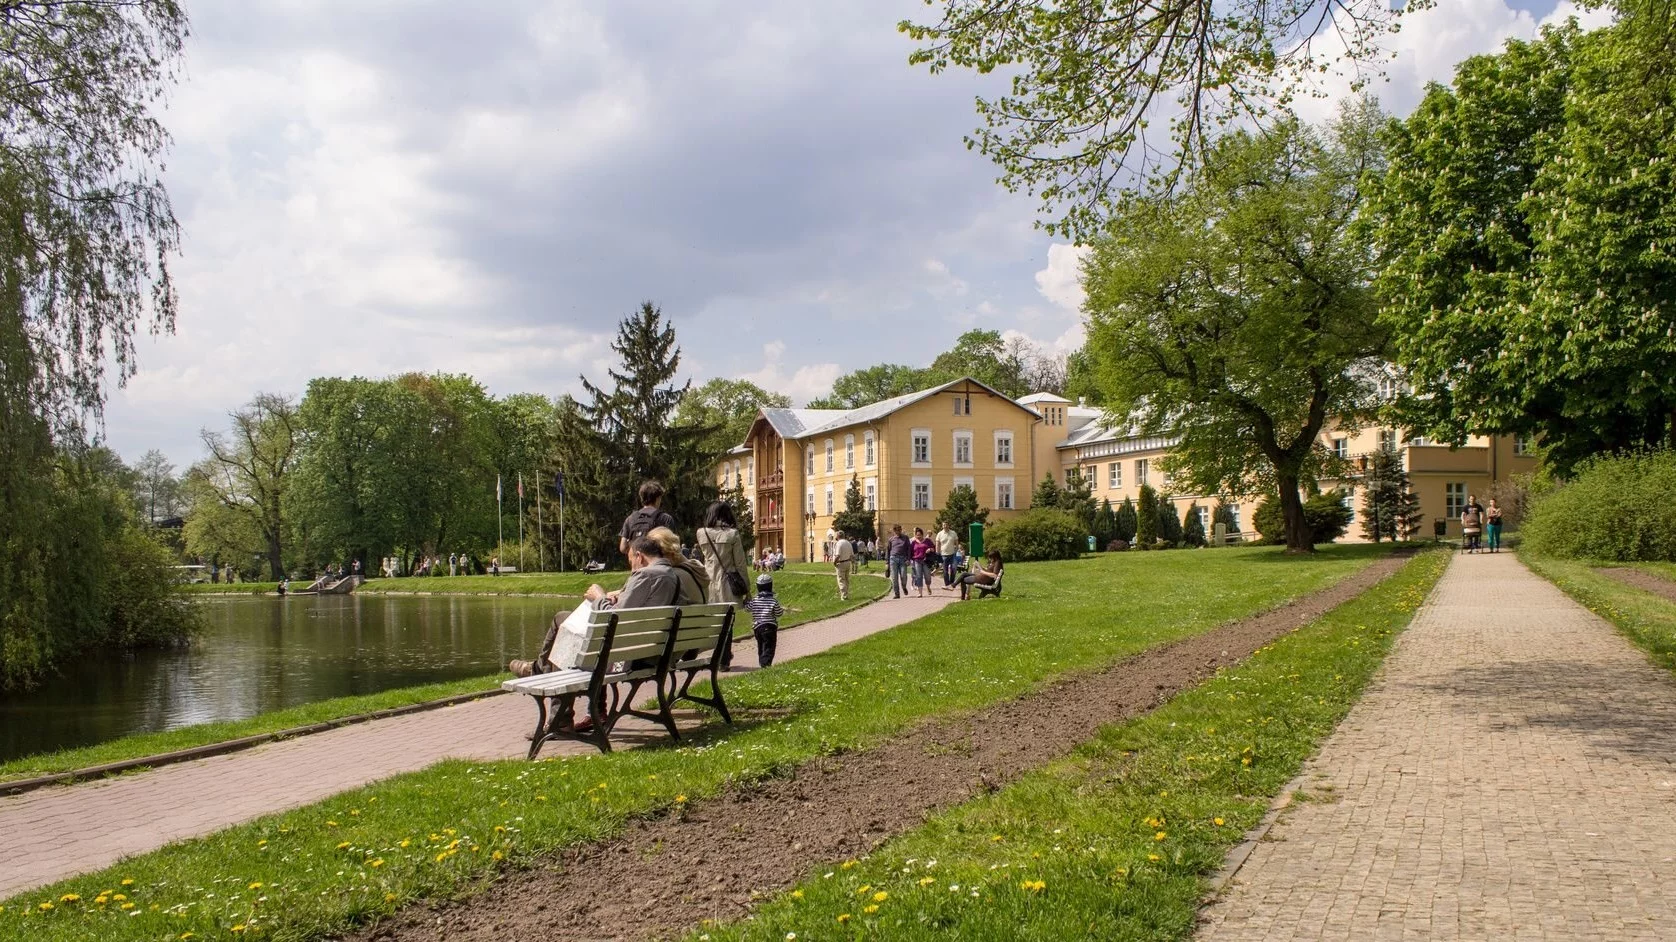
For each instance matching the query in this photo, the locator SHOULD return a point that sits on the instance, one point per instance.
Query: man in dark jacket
(897, 552)
(649, 517)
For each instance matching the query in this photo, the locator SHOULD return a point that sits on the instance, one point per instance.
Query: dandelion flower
(880, 896)
(255, 886)
(796, 894)
(128, 881)
(1160, 835)
(377, 863)
(1153, 857)
(1218, 821)
(46, 907)
(1033, 886)
(870, 908)
(127, 905)
(846, 865)
(342, 845)
(843, 918)
(926, 881)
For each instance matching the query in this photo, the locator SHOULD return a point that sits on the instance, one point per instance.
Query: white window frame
(849, 452)
(809, 506)
(962, 404)
(1142, 467)
(751, 470)
(1114, 475)
(809, 458)
(1204, 520)
(829, 500)
(870, 493)
(916, 437)
(1005, 494)
(968, 480)
(1522, 446)
(921, 486)
(829, 456)
(870, 455)
(1454, 499)
(1341, 447)
(1387, 439)
(1349, 502)
(1004, 440)
(962, 436)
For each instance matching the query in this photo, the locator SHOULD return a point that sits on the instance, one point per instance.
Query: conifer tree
(1192, 528)
(1408, 515)
(961, 510)
(1146, 518)
(1046, 494)
(1077, 497)
(1126, 521)
(1105, 524)
(855, 519)
(1224, 514)
(1169, 525)
(1382, 491)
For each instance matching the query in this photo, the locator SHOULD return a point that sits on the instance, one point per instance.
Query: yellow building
(905, 455)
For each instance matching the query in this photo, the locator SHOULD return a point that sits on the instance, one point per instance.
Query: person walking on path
(948, 546)
(922, 548)
(1492, 526)
(843, 558)
(766, 613)
(1472, 524)
(898, 551)
(723, 552)
(649, 517)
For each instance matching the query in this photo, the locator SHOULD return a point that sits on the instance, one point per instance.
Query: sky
(372, 187)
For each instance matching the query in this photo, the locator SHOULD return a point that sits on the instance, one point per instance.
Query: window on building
(1003, 448)
(1091, 476)
(1419, 440)
(1004, 494)
(1348, 500)
(849, 452)
(1141, 467)
(1522, 445)
(809, 459)
(1204, 519)
(1114, 474)
(872, 494)
(922, 446)
(922, 495)
(1070, 475)
(1234, 512)
(1387, 439)
(1454, 498)
(829, 456)
(751, 470)
(1341, 447)
(810, 507)
(963, 448)
(867, 450)
(962, 404)
(829, 500)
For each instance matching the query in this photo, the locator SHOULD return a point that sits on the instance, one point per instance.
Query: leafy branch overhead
(1088, 80)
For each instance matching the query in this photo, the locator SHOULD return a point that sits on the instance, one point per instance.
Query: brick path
(1511, 774)
(58, 832)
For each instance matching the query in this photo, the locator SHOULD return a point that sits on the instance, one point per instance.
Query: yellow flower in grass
(102, 899)
(1219, 821)
(119, 897)
(127, 905)
(846, 865)
(926, 881)
(377, 863)
(389, 897)
(1153, 857)
(843, 918)
(796, 894)
(237, 929)
(880, 896)
(46, 907)
(69, 898)
(255, 886)
(862, 889)
(1033, 886)
(128, 881)
(342, 845)
(870, 909)
(1160, 835)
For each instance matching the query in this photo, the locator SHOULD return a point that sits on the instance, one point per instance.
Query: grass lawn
(1112, 842)
(230, 588)
(1644, 618)
(310, 872)
(806, 599)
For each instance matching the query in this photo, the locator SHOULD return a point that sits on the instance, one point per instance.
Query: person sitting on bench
(987, 574)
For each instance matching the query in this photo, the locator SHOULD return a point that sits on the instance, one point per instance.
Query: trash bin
(974, 540)
(1091, 544)
(1440, 527)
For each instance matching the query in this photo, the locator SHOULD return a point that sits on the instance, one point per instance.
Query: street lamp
(809, 535)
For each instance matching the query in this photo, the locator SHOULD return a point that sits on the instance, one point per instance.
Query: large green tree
(729, 406)
(249, 468)
(1234, 313)
(1530, 224)
(855, 520)
(875, 383)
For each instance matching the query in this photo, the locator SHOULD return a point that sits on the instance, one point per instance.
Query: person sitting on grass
(987, 574)
(766, 613)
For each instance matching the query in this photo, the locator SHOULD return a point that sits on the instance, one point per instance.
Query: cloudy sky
(377, 186)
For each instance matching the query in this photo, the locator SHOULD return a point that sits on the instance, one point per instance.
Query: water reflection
(263, 654)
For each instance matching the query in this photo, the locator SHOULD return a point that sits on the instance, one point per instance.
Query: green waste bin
(1091, 547)
(974, 540)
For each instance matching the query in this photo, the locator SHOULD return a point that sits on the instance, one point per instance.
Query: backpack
(644, 521)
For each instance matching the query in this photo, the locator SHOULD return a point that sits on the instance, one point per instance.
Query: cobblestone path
(1510, 774)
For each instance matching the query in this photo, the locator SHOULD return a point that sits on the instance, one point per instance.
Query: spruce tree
(1046, 494)
(1146, 518)
(1224, 514)
(855, 520)
(961, 510)
(1192, 528)
(1105, 524)
(1169, 525)
(1408, 515)
(1383, 489)
(744, 516)
(631, 425)
(1126, 521)
(1077, 497)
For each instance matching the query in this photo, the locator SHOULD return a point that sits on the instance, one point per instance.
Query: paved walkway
(58, 832)
(1511, 774)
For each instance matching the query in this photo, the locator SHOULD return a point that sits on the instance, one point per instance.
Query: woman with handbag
(725, 561)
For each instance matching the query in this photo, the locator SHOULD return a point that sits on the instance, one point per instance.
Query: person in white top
(843, 558)
(948, 544)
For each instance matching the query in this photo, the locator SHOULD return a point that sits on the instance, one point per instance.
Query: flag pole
(540, 530)
(520, 521)
(500, 527)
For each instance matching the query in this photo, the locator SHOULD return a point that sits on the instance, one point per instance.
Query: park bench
(993, 588)
(624, 650)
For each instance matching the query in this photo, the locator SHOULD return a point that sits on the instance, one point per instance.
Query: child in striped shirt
(765, 618)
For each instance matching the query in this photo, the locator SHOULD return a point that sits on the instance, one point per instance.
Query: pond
(262, 653)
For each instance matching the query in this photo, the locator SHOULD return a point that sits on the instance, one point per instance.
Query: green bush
(1269, 520)
(1615, 507)
(1039, 533)
(1327, 515)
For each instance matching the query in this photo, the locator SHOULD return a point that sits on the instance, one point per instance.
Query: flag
(520, 485)
(497, 488)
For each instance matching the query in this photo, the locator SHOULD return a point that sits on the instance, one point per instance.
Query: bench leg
(539, 737)
(600, 732)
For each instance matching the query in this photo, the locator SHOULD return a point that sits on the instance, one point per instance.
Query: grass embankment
(1114, 841)
(312, 871)
(1647, 620)
(231, 588)
(806, 599)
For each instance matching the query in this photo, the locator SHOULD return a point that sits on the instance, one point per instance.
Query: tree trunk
(276, 564)
(1298, 537)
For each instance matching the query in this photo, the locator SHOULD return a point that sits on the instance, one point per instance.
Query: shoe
(521, 668)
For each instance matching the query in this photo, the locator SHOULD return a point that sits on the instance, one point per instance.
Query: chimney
(1082, 402)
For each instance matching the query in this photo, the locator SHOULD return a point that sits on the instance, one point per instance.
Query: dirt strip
(663, 876)
(1643, 580)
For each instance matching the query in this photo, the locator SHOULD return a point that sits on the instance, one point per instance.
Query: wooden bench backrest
(701, 627)
(644, 632)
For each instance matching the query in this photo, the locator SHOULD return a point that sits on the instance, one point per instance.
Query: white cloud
(1061, 281)
(806, 382)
